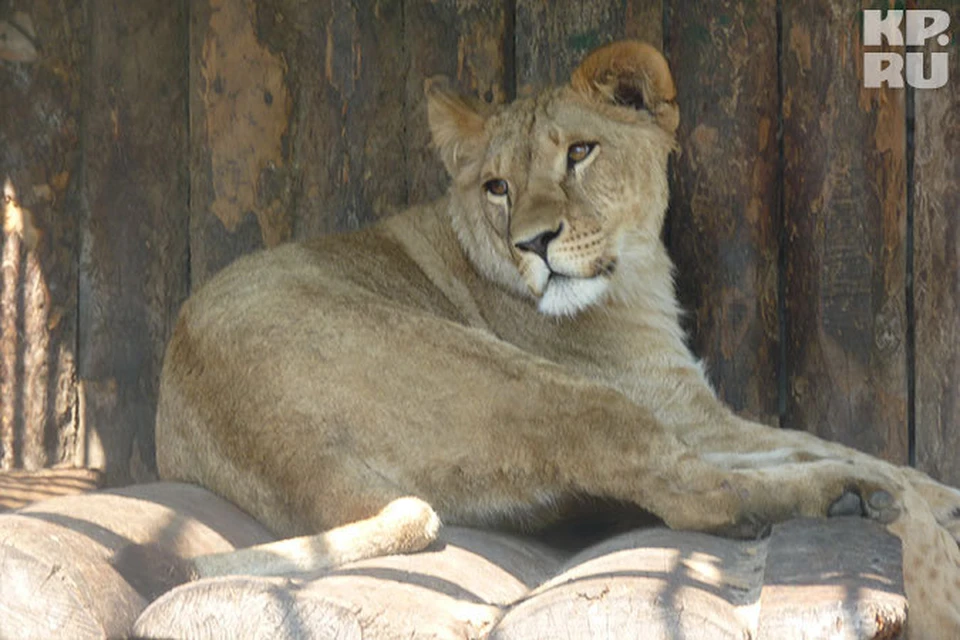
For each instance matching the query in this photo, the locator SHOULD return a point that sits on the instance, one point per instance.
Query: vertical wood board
(133, 267)
(347, 75)
(724, 220)
(553, 37)
(470, 44)
(239, 108)
(845, 229)
(936, 258)
(40, 160)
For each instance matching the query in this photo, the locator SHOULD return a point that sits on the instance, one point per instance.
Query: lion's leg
(736, 443)
(405, 525)
(928, 524)
(943, 501)
(474, 426)
(757, 446)
(931, 570)
(740, 500)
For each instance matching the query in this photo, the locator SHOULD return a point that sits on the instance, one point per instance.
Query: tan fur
(322, 385)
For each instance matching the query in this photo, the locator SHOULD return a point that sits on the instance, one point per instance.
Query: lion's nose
(538, 244)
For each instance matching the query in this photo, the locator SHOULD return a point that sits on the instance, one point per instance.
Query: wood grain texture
(297, 122)
(845, 228)
(239, 116)
(346, 69)
(85, 566)
(552, 37)
(40, 160)
(808, 579)
(450, 590)
(470, 44)
(655, 584)
(724, 218)
(936, 205)
(134, 259)
(839, 578)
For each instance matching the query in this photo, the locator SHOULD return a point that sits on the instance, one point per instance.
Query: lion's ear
(456, 124)
(633, 74)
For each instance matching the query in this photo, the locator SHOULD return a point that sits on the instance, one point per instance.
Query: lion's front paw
(743, 503)
(846, 488)
(880, 505)
(820, 488)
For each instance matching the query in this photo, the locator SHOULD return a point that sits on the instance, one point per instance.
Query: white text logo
(887, 67)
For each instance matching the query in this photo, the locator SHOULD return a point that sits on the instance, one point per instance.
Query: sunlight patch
(16, 219)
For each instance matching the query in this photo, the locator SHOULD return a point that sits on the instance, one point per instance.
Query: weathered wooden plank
(39, 163)
(553, 37)
(724, 217)
(239, 117)
(296, 122)
(808, 579)
(656, 584)
(348, 113)
(134, 235)
(467, 42)
(85, 566)
(450, 590)
(839, 578)
(936, 258)
(845, 228)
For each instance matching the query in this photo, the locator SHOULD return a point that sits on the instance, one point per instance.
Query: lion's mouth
(565, 295)
(566, 289)
(603, 268)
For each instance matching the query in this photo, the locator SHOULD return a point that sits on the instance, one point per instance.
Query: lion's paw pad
(849, 504)
(880, 505)
(880, 500)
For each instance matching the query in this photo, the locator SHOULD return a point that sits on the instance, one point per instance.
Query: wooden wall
(814, 222)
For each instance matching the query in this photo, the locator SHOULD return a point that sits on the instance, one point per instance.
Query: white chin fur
(567, 296)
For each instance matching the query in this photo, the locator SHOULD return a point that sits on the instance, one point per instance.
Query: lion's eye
(578, 152)
(496, 187)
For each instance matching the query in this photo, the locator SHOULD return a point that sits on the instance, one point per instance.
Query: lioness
(484, 359)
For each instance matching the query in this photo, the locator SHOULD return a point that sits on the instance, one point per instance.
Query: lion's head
(561, 197)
